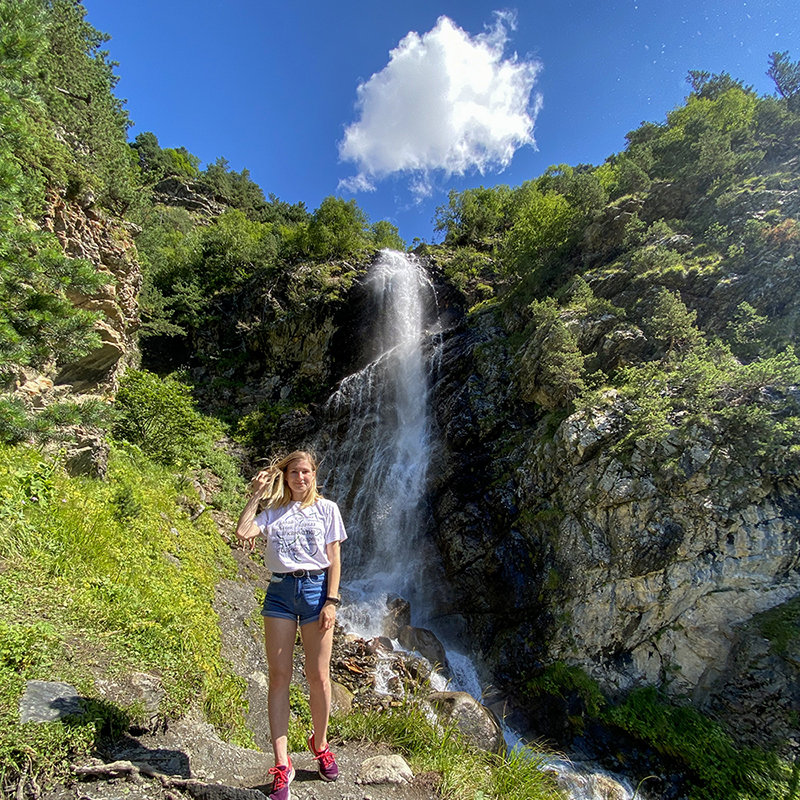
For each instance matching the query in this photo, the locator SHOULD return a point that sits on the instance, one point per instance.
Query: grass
(110, 576)
(466, 773)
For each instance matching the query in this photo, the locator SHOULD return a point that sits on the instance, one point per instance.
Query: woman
(303, 532)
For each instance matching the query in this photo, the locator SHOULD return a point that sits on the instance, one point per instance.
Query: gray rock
(477, 723)
(341, 698)
(385, 769)
(139, 687)
(47, 701)
(210, 791)
(87, 456)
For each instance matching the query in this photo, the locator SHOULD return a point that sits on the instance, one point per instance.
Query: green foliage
(158, 415)
(157, 163)
(300, 722)
(63, 128)
(19, 423)
(386, 236)
(781, 626)
(131, 579)
(77, 81)
(558, 679)
(231, 250)
(257, 429)
(182, 162)
(717, 767)
(560, 365)
(27, 649)
(474, 215)
(672, 324)
(708, 384)
(338, 229)
(786, 75)
(745, 330)
(472, 272)
(541, 233)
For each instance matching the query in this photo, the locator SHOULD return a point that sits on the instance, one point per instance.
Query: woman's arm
(328, 614)
(246, 528)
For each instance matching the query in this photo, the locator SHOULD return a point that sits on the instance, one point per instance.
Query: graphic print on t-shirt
(295, 537)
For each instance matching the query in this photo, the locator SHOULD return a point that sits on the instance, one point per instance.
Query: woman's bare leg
(279, 636)
(318, 646)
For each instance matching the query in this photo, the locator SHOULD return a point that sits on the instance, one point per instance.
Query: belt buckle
(300, 573)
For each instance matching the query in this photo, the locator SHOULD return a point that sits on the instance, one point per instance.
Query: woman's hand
(327, 617)
(261, 480)
(246, 529)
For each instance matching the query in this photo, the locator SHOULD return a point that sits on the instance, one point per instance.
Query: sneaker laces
(281, 777)
(325, 757)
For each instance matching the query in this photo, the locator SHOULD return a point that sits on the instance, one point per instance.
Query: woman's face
(299, 476)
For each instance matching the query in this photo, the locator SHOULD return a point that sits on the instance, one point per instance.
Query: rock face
(85, 232)
(660, 566)
(641, 566)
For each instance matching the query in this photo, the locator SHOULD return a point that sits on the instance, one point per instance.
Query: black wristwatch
(336, 601)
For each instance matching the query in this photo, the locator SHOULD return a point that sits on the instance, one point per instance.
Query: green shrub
(122, 568)
(159, 415)
(558, 679)
(717, 767)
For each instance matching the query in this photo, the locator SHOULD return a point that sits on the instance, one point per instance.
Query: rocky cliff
(88, 233)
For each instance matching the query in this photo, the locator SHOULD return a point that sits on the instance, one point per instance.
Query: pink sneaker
(328, 769)
(283, 775)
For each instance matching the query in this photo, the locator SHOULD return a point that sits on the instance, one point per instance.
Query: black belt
(303, 573)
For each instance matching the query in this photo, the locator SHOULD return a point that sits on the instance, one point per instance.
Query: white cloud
(445, 101)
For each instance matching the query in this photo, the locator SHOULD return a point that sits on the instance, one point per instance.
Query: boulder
(385, 769)
(341, 698)
(426, 644)
(47, 701)
(87, 456)
(478, 724)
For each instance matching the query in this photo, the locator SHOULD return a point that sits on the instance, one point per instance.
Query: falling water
(382, 430)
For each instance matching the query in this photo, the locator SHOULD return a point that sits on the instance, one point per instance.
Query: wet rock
(475, 721)
(380, 644)
(398, 615)
(426, 644)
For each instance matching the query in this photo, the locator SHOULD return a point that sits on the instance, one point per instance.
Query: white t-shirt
(297, 537)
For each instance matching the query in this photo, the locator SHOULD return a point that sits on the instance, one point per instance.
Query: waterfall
(378, 429)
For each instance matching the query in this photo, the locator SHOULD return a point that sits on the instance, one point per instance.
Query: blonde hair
(278, 493)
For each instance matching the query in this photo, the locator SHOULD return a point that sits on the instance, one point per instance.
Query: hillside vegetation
(663, 282)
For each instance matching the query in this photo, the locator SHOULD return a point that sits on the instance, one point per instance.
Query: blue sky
(510, 90)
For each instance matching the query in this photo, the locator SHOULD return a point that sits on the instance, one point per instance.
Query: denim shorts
(300, 599)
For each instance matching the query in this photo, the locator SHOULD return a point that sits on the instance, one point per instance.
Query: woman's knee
(318, 678)
(279, 677)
